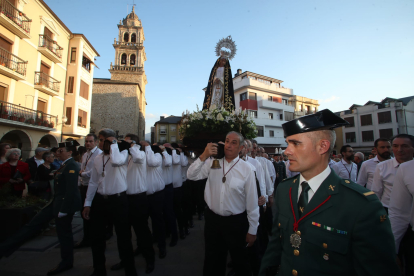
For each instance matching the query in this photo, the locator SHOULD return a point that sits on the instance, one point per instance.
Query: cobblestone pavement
(42, 253)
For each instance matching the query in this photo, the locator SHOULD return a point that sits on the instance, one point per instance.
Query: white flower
(212, 107)
(220, 117)
(188, 125)
(232, 126)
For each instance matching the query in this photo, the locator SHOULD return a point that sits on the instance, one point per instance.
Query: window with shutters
(260, 131)
(44, 68)
(271, 133)
(271, 116)
(288, 116)
(42, 105)
(252, 96)
(86, 63)
(368, 136)
(173, 139)
(384, 117)
(351, 121)
(48, 33)
(82, 118)
(73, 54)
(252, 113)
(3, 93)
(350, 137)
(84, 90)
(366, 120)
(386, 133)
(70, 84)
(69, 116)
(270, 98)
(6, 44)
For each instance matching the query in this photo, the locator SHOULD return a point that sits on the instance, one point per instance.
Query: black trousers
(178, 208)
(116, 208)
(187, 202)
(63, 229)
(201, 203)
(138, 211)
(155, 204)
(168, 211)
(86, 223)
(407, 252)
(223, 235)
(268, 220)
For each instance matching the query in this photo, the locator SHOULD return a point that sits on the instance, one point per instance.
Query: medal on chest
(103, 174)
(223, 179)
(224, 174)
(295, 239)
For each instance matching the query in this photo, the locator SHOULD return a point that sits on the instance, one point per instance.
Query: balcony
(46, 84)
(50, 49)
(12, 66)
(16, 115)
(14, 20)
(275, 105)
(123, 44)
(125, 69)
(248, 104)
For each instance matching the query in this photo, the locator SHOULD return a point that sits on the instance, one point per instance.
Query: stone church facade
(119, 103)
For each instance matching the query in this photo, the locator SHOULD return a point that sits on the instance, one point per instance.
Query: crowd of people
(299, 212)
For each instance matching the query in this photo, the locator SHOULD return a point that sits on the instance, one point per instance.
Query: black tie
(303, 198)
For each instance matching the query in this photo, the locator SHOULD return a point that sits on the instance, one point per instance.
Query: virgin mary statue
(220, 92)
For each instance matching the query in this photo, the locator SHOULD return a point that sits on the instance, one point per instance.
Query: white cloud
(328, 100)
(150, 116)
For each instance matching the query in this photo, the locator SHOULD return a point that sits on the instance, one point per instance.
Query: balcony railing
(122, 43)
(12, 62)
(125, 68)
(25, 115)
(45, 41)
(18, 17)
(46, 80)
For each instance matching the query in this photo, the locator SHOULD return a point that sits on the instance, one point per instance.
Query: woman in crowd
(4, 147)
(14, 172)
(44, 174)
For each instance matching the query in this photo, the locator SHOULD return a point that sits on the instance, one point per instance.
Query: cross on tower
(133, 6)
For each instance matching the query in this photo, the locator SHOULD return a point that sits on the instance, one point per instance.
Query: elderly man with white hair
(358, 159)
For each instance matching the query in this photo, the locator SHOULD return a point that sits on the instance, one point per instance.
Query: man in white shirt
(232, 216)
(138, 202)
(91, 145)
(346, 169)
(403, 150)
(366, 173)
(401, 212)
(290, 173)
(256, 154)
(107, 195)
(325, 225)
(259, 169)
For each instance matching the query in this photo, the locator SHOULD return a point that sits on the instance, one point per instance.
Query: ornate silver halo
(229, 44)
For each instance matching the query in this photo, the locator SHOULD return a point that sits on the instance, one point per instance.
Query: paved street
(42, 253)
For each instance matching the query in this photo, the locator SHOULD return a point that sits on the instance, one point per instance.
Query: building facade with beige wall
(34, 57)
(166, 129)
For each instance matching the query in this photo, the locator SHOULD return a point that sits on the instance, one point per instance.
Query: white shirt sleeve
(184, 160)
(252, 208)
(118, 158)
(167, 159)
(138, 156)
(288, 173)
(335, 168)
(362, 176)
(377, 186)
(400, 208)
(152, 159)
(92, 187)
(199, 169)
(175, 158)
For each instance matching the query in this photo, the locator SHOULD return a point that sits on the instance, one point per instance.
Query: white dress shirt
(366, 172)
(184, 167)
(259, 175)
(289, 173)
(331, 163)
(236, 195)
(272, 171)
(87, 164)
(384, 180)
(345, 170)
(401, 209)
(155, 181)
(314, 183)
(38, 161)
(167, 171)
(137, 171)
(176, 166)
(114, 180)
(269, 184)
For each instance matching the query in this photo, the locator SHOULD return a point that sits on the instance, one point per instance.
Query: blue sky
(338, 52)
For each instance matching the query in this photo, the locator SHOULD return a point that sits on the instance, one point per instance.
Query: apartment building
(375, 120)
(35, 69)
(166, 129)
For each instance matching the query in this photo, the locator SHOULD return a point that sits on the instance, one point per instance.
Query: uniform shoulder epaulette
(369, 195)
(289, 178)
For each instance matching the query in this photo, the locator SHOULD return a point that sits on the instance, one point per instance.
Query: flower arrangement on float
(216, 121)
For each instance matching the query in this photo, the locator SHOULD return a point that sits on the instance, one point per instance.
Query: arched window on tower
(132, 60)
(126, 37)
(133, 38)
(123, 59)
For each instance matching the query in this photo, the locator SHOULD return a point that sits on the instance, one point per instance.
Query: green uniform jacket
(358, 241)
(67, 197)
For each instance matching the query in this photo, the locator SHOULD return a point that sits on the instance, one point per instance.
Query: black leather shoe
(137, 251)
(60, 268)
(81, 244)
(150, 268)
(163, 253)
(117, 266)
(173, 243)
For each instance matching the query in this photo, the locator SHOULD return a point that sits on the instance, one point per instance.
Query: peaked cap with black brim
(324, 119)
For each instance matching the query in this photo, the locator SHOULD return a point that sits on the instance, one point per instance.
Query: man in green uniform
(65, 202)
(325, 225)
